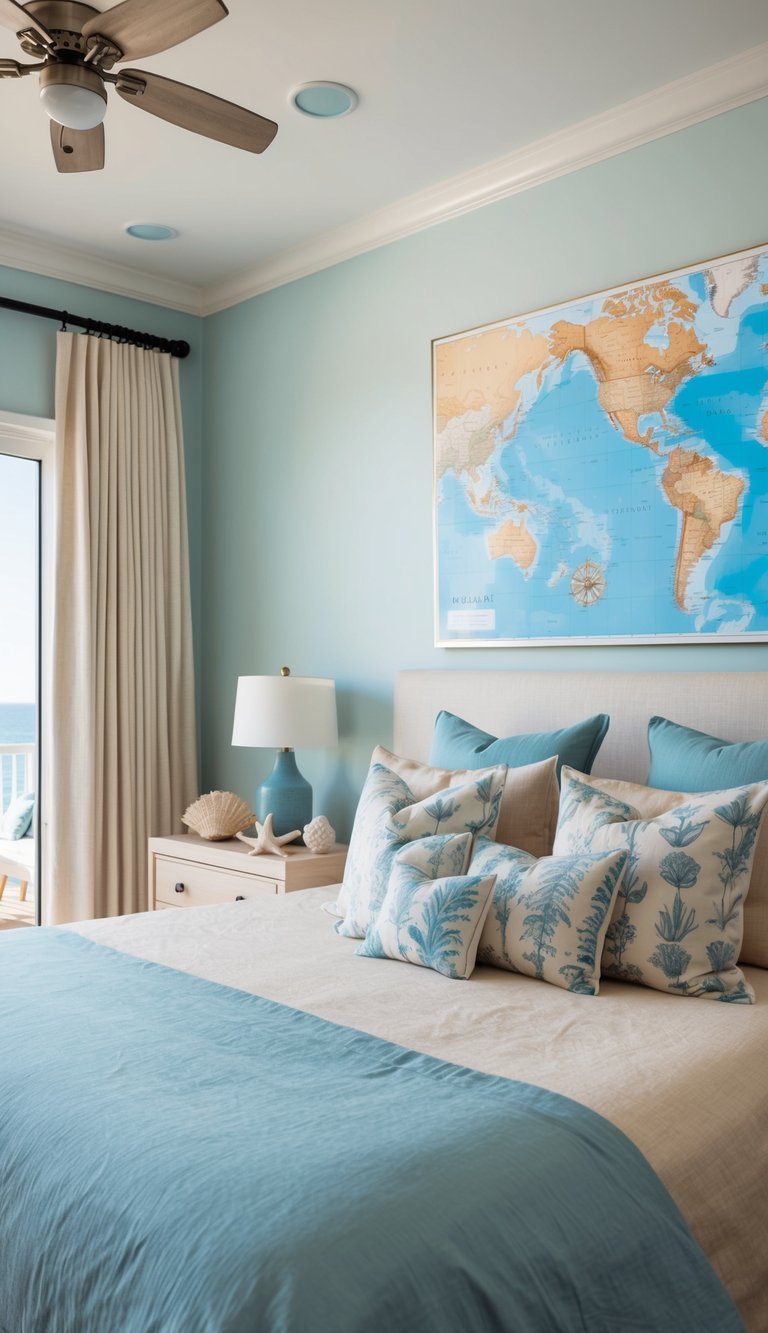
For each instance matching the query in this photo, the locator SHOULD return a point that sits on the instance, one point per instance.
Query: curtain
(122, 713)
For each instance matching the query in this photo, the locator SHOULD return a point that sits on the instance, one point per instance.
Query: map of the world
(601, 468)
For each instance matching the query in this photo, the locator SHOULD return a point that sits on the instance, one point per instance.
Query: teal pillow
(686, 760)
(17, 820)
(458, 744)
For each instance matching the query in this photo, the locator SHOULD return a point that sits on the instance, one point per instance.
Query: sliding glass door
(25, 448)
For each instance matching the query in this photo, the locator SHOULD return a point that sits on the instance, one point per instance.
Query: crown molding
(25, 430)
(676, 106)
(42, 255)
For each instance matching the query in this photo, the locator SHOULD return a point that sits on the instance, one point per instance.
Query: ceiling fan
(76, 47)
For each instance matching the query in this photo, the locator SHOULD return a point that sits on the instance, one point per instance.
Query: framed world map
(601, 467)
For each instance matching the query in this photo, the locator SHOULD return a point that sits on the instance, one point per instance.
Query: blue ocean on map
(580, 522)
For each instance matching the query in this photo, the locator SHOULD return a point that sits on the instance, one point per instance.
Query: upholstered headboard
(730, 704)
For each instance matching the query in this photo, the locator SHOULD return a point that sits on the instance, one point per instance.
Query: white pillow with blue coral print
(679, 915)
(548, 918)
(432, 914)
(388, 816)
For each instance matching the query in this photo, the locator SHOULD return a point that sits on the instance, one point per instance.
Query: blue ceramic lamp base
(285, 795)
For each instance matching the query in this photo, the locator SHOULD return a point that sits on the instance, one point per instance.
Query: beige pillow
(652, 801)
(529, 802)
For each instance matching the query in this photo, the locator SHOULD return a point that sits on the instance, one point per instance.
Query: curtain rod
(149, 341)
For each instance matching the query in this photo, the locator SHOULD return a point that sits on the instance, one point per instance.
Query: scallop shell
(219, 815)
(319, 836)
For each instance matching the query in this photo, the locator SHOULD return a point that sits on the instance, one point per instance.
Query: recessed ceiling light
(151, 231)
(323, 100)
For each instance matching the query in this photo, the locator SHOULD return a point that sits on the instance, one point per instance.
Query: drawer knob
(240, 898)
(179, 887)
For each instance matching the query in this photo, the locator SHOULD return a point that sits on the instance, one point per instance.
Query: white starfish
(267, 841)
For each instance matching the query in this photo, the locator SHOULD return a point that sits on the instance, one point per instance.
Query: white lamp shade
(282, 712)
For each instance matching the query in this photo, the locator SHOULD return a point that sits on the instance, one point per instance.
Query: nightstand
(189, 871)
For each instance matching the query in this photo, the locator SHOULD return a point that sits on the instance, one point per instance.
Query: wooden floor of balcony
(13, 912)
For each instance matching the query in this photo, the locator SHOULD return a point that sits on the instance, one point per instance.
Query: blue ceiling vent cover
(151, 231)
(324, 101)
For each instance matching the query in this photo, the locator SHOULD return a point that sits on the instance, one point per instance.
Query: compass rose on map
(588, 583)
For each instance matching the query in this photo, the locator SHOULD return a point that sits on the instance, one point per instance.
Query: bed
(210, 1004)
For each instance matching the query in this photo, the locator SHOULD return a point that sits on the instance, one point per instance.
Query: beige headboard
(730, 704)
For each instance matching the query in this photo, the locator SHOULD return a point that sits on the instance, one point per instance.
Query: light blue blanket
(176, 1155)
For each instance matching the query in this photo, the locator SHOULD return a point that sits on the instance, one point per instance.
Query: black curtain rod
(149, 341)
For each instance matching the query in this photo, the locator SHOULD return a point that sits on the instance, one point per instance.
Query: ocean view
(17, 727)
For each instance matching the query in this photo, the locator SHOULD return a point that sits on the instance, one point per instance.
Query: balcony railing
(18, 771)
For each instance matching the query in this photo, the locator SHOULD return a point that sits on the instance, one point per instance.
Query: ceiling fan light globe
(73, 96)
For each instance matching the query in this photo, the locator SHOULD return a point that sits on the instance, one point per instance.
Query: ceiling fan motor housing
(61, 15)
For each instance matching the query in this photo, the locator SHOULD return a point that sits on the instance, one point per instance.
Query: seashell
(319, 836)
(219, 815)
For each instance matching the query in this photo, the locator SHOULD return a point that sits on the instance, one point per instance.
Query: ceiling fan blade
(77, 150)
(18, 19)
(143, 27)
(194, 110)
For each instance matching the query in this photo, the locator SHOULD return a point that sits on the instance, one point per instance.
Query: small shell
(319, 836)
(219, 815)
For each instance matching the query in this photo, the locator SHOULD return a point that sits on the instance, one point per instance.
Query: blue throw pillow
(458, 744)
(17, 820)
(686, 760)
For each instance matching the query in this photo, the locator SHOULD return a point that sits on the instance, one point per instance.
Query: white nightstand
(189, 871)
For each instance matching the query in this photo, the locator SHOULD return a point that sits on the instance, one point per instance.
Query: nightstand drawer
(204, 885)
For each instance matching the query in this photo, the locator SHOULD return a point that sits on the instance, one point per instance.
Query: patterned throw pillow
(432, 914)
(678, 919)
(388, 815)
(548, 918)
(529, 802)
(682, 757)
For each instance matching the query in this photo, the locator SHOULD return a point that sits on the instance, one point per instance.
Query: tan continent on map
(763, 428)
(707, 498)
(634, 377)
(480, 372)
(727, 281)
(514, 540)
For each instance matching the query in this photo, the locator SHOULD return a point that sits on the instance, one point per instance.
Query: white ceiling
(445, 87)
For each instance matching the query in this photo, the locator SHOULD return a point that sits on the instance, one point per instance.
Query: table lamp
(286, 712)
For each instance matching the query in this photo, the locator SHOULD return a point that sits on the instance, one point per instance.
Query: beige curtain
(122, 713)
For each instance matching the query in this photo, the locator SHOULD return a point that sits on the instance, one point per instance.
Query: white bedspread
(685, 1079)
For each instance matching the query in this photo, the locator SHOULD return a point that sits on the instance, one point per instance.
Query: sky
(18, 578)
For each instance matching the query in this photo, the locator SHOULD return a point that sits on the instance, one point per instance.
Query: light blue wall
(28, 366)
(318, 459)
